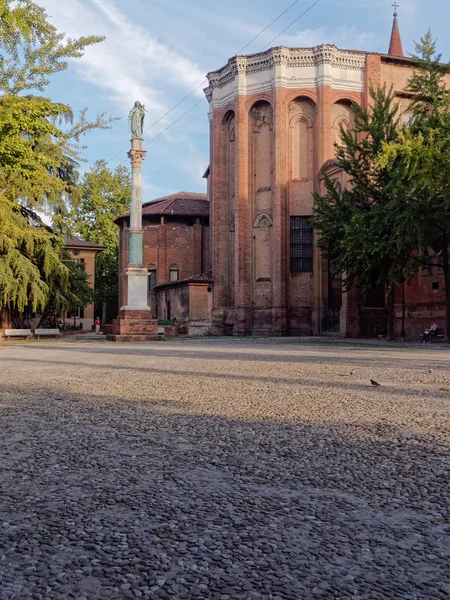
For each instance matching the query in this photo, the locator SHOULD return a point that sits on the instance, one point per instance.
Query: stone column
(135, 323)
(135, 273)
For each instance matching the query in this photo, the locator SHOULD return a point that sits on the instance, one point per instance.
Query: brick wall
(186, 301)
(266, 153)
(178, 242)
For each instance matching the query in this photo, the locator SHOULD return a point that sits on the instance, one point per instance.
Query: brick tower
(274, 117)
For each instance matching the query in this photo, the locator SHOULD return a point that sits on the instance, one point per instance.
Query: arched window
(174, 273)
(152, 278)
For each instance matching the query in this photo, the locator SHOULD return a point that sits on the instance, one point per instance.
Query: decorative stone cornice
(286, 67)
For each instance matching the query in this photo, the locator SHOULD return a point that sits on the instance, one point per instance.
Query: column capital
(136, 157)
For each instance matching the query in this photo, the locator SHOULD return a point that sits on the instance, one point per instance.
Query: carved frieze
(287, 67)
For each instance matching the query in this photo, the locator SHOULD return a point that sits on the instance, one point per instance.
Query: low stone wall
(199, 328)
(417, 318)
(170, 330)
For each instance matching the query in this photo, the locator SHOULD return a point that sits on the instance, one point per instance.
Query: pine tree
(355, 229)
(40, 147)
(67, 291)
(419, 162)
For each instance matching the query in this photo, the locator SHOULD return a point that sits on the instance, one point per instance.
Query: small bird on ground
(375, 383)
(352, 372)
(430, 370)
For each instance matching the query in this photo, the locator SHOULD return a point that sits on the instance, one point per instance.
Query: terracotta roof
(203, 278)
(189, 204)
(73, 242)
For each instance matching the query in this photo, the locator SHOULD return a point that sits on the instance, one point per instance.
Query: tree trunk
(390, 315)
(446, 269)
(44, 316)
(403, 311)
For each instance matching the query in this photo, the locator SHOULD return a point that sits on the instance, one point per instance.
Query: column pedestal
(135, 326)
(135, 322)
(137, 286)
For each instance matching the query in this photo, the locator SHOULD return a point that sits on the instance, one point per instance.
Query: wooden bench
(46, 332)
(9, 333)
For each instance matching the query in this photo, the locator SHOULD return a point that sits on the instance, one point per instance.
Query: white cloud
(130, 64)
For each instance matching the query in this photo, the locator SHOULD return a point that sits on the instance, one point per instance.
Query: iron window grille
(174, 275)
(301, 245)
(76, 313)
(151, 279)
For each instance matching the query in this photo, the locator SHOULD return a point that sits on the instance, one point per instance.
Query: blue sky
(157, 51)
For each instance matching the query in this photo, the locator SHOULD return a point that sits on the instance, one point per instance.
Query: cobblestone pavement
(224, 469)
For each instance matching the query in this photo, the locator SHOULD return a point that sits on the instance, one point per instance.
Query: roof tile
(73, 242)
(189, 204)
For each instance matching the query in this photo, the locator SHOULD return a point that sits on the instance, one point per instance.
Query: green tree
(105, 194)
(30, 256)
(40, 147)
(355, 229)
(31, 48)
(67, 292)
(419, 164)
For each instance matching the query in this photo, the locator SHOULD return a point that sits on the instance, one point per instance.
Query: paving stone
(223, 469)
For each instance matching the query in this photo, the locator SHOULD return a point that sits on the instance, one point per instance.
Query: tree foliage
(419, 162)
(67, 291)
(104, 196)
(30, 256)
(31, 49)
(355, 229)
(40, 149)
(395, 214)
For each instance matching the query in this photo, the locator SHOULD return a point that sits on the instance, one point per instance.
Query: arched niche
(262, 238)
(228, 204)
(261, 145)
(263, 221)
(261, 151)
(301, 139)
(331, 170)
(342, 115)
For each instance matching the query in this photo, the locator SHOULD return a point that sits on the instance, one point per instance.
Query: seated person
(429, 332)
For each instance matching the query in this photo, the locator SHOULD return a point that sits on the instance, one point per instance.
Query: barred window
(151, 279)
(301, 245)
(76, 313)
(174, 274)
